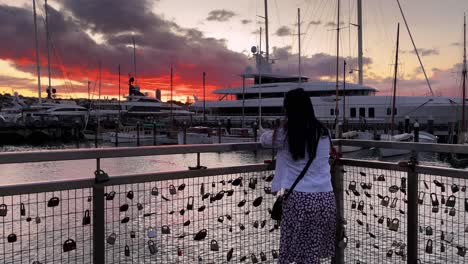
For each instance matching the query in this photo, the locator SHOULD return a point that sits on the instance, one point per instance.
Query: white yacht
(137, 104)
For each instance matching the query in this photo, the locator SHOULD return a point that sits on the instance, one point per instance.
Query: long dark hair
(303, 129)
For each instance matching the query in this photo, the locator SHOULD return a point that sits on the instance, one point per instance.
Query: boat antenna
(49, 88)
(37, 55)
(337, 61)
(360, 53)
(134, 59)
(344, 94)
(395, 79)
(267, 50)
(299, 41)
(464, 73)
(415, 49)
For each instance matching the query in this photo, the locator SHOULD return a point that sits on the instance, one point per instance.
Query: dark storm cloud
(316, 66)
(220, 15)
(160, 43)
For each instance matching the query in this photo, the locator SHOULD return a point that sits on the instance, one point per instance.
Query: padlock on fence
(394, 203)
(429, 249)
(450, 201)
(252, 183)
(132, 234)
(111, 239)
(130, 195)
(127, 251)
(190, 203)
(22, 209)
(152, 247)
(214, 245)
(429, 231)
(385, 201)
(151, 232)
(361, 206)
(155, 191)
(263, 256)
(434, 200)
(11, 238)
(253, 258)
(172, 189)
(53, 202)
(394, 225)
(165, 230)
(352, 186)
(86, 218)
(69, 245)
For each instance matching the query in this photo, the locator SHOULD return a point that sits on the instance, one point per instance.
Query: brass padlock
(451, 201)
(110, 196)
(69, 245)
(181, 187)
(130, 195)
(394, 203)
(455, 188)
(353, 205)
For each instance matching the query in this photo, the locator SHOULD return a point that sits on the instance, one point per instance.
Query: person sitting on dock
(308, 222)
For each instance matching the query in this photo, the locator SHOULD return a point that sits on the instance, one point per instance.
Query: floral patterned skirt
(308, 228)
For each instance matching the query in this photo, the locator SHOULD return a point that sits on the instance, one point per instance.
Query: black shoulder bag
(277, 210)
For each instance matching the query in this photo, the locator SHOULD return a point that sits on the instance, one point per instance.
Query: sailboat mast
(134, 59)
(49, 88)
(360, 53)
(172, 88)
(299, 40)
(37, 55)
(463, 123)
(395, 80)
(260, 79)
(344, 94)
(337, 60)
(266, 33)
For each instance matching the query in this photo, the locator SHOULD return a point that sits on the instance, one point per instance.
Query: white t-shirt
(316, 179)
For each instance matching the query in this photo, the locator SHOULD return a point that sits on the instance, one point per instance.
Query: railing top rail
(102, 153)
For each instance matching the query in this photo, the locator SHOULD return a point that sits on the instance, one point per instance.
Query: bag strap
(301, 175)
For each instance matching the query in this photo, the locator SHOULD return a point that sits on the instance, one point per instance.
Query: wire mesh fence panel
(374, 207)
(48, 227)
(216, 219)
(442, 219)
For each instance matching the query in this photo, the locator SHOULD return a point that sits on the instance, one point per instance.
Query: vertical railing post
(99, 215)
(337, 182)
(138, 134)
(412, 220)
(412, 224)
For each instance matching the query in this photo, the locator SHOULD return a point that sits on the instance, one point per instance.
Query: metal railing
(161, 217)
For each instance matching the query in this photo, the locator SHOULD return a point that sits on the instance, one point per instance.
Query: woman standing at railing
(308, 221)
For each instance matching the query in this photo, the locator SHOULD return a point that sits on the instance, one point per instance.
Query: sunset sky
(215, 36)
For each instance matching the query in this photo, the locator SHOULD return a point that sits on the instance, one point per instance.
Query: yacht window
(371, 112)
(332, 111)
(353, 112)
(362, 112)
(389, 111)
